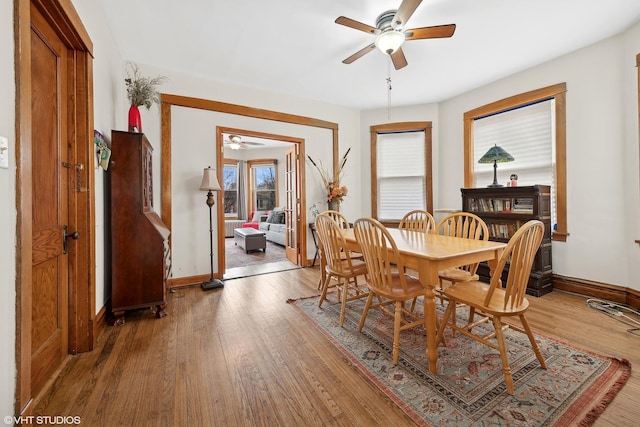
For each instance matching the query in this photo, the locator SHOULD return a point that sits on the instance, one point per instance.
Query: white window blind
(401, 174)
(528, 134)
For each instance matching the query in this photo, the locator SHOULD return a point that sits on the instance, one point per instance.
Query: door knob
(75, 235)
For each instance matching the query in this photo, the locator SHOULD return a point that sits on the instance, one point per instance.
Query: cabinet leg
(160, 311)
(117, 319)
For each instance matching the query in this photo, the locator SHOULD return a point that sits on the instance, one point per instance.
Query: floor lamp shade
(210, 184)
(210, 180)
(496, 155)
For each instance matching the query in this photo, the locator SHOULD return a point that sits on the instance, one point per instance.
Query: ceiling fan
(391, 34)
(235, 142)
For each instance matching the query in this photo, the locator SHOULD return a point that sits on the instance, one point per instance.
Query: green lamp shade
(496, 154)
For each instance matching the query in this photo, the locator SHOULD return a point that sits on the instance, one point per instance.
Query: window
(230, 187)
(401, 170)
(263, 185)
(527, 134)
(530, 127)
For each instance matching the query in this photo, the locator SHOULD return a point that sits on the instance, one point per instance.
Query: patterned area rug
(469, 388)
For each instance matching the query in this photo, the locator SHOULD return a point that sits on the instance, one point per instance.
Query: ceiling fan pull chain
(389, 89)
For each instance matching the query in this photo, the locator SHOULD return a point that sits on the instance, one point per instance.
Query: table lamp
(496, 155)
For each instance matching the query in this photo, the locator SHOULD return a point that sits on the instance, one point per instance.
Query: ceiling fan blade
(435, 32)
(348, 22)
(359, 53)
(252, 143)
(404, 12)
(398, 58)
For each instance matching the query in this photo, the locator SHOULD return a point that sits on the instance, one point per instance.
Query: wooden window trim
(401, 127)
(260, 162)
(557, 92)
(231, 162)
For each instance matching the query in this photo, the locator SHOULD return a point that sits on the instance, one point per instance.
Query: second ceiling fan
(391, 34)
(235, 142)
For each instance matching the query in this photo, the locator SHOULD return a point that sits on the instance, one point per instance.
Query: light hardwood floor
(242, 356)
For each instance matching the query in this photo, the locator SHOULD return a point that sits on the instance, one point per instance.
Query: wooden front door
(292, 208)
(50, 202)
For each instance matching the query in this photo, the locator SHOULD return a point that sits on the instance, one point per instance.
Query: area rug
(236, 256)
(469, 389)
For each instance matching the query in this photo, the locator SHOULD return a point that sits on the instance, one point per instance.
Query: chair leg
(343, 308)
(508, 379)
(441, 290)
(443, 324)
(396, 331)
(365, 311)
(325, 287)
(534, 344)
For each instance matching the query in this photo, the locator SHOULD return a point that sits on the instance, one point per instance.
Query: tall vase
(135, 121)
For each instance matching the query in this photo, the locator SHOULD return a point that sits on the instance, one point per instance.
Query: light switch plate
(4, 152)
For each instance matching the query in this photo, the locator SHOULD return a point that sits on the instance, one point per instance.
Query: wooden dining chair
(492, 302)
(338, 217)
(344, 223)
(418, 220)
(387, 279)
(468, 226)
(339, 264)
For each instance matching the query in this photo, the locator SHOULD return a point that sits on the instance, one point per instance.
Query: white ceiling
(294, 47)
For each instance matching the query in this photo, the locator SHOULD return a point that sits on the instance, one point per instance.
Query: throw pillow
(271, 217)
(278, 217)
(257, 215)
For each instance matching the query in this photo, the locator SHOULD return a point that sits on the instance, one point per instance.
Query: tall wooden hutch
(139, 239)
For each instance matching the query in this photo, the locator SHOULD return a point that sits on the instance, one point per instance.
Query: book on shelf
(523, 205)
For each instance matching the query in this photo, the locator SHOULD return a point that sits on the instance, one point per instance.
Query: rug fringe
(591, 416)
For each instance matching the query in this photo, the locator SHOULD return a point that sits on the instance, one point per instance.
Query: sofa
(274, 226)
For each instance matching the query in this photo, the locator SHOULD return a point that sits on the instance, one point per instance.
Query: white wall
(193, 148)
(7, 214)
(631, 163)
(598, 246)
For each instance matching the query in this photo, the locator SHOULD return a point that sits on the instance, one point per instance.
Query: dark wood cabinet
(504, 210)
(139, 239)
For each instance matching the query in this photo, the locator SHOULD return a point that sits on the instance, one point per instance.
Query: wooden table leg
(429, 278)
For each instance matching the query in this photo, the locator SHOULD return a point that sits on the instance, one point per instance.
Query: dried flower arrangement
(142, 90)
(335, 191)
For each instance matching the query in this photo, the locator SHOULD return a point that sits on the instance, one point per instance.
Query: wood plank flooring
(241, 356)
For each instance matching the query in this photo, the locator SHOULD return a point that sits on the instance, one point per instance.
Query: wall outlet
(4, 152)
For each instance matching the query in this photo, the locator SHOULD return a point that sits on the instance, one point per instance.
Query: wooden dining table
(428, 254)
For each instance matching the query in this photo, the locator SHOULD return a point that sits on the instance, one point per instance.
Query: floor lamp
(210, 184)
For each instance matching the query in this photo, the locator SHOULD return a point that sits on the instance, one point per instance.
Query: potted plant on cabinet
(140, 91)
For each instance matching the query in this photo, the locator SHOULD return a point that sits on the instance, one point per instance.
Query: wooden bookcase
(140, 261)
(504, 210)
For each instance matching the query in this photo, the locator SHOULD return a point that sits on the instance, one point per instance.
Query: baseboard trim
(599, 290)
(188, 281)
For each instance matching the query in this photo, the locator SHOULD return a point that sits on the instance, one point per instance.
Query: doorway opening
(261, 186)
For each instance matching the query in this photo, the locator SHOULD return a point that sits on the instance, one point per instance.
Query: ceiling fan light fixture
(234, 145)
(389, 41)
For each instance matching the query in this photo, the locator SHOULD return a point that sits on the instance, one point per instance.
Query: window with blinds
(401, 174)
(528, 134)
